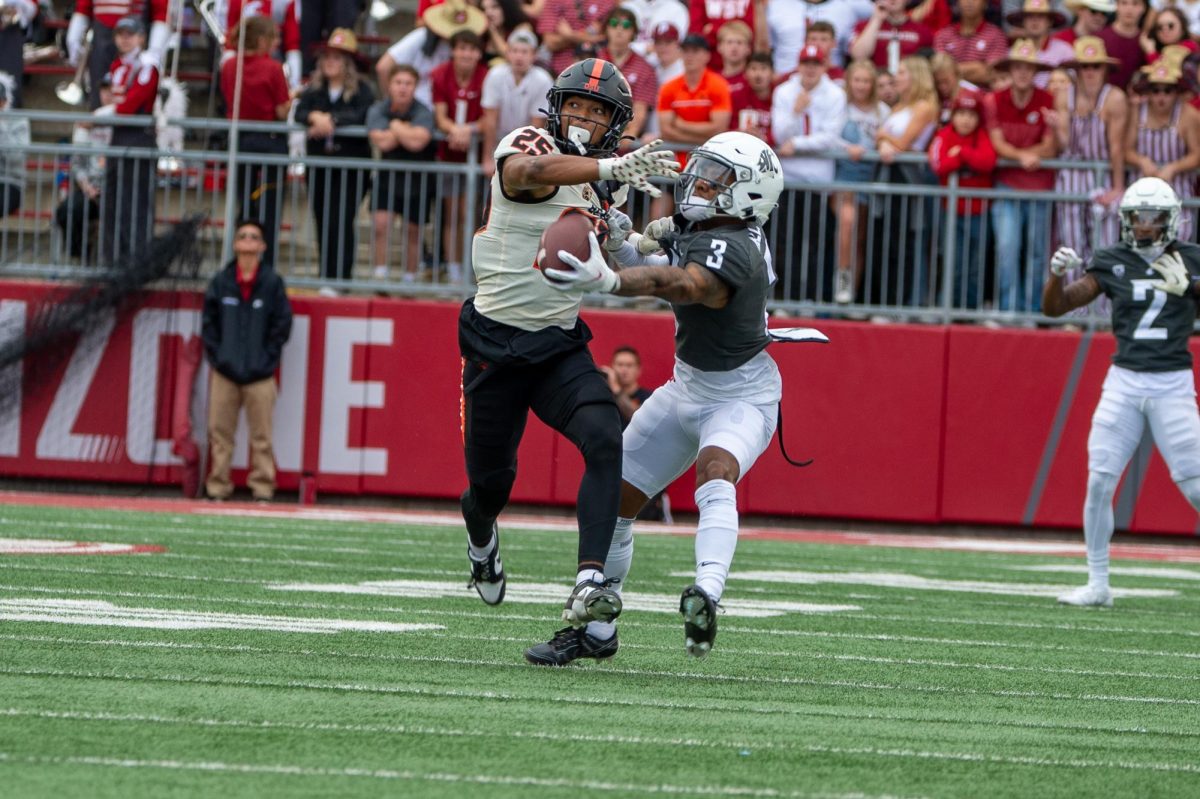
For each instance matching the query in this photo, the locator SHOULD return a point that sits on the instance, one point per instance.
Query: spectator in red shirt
(752, 105)
(964, 147)
(707, 16)
(823, 35)
(889, 35)
(457, 109)
(948, 83)
(973, 42)
(621, 28)
(264, 98)
(1090, 18)
(129, 181)
(1170, 30)
(573, 30)
(1016, 121)
(734, 41)
(1122, 42)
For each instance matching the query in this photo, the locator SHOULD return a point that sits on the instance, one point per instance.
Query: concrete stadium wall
(910, 423)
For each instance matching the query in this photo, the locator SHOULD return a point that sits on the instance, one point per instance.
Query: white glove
(160, 33)
(1175, 275)
(1064, 260)
(619, 227)
(639, 165)
(590, 275)
(658, 229)
(75, 33)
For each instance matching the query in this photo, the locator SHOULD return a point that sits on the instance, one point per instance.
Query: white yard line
(606, 669)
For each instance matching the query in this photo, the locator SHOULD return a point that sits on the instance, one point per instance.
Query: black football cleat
(699, 620)
(487, 576)
(570, 644)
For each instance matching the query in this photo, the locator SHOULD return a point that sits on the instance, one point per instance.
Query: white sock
(716, 535)
(616, 567)
(480, 554)
(1098, 524)
(589, 575)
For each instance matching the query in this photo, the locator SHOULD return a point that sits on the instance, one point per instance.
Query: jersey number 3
(717, 257)
(1157, 300)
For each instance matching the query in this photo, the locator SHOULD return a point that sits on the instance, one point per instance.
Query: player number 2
(1157, 300)
(717, 256)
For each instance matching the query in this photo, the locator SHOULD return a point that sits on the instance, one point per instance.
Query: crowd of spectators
(840, 88)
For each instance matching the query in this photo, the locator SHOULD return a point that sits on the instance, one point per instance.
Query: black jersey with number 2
(1152, 327)
(722, 339)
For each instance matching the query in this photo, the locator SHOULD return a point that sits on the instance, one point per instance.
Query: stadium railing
(908, 237)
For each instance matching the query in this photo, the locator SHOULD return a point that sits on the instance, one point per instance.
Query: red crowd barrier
(904, 423)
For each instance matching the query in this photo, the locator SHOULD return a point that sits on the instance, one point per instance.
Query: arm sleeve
(490, 96)
(210, 324)
(979, 155)
(941, 163)
(281, 323)
(377, 118)
(305, 105)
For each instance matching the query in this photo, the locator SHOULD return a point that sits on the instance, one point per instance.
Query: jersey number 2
(1157, 300)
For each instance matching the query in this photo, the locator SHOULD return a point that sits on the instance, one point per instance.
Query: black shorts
(405, 193)
(499, 393)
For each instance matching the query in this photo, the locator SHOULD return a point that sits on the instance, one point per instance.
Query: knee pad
(597, 430)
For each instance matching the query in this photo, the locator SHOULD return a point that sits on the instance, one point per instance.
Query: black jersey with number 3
(1152, 327)
(721, 339)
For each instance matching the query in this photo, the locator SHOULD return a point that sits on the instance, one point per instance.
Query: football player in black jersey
(1150, 278)
(721, 409)
(523, 345)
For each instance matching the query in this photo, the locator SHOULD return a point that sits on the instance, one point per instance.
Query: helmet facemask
(715, 178)
(575, 139)
(1148, 231)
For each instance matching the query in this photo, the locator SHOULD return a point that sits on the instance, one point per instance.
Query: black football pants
(570, 395)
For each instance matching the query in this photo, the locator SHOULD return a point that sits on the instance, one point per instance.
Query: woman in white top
(864, 115)
(904, 238)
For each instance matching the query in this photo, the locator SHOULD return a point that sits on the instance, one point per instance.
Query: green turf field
(838, 670)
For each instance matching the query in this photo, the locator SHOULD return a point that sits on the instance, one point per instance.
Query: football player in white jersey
(523, 345)
(1150, 277)
(721, 409)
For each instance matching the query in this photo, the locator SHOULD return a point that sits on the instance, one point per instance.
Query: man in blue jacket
(247, 320)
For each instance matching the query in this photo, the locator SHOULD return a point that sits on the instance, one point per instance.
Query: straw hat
(1090, 50)
(1057, 20)
(1175, 55)
(1023, 51)
(1161, 73)
(1100, 6)
(343, 40)
(451, 16)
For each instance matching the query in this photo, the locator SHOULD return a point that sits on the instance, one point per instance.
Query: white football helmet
(1150, 203)
(745, 173)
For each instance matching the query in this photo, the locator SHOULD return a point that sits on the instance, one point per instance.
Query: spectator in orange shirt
(693, 107)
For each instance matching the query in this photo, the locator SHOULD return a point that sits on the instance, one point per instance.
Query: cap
(133, 24)
(523, 35)
(967, 100)
(695, 40)
(810, 52)
(665, 32)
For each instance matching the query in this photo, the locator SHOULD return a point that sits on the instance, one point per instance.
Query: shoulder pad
(526, 141)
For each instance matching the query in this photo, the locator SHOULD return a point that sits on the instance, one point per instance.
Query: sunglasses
(1167, 26)
(1093, 66)
(1162, 90)
(620, 23)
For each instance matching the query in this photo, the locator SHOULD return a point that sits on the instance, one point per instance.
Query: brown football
(569, 232)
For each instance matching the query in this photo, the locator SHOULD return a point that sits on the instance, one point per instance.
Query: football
(569, 232)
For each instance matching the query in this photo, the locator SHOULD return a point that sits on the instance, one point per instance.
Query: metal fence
(405, 227)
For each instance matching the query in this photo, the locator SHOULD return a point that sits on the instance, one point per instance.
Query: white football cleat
(1088, 596)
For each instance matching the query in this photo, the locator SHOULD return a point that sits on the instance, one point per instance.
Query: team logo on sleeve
(1119, 271)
